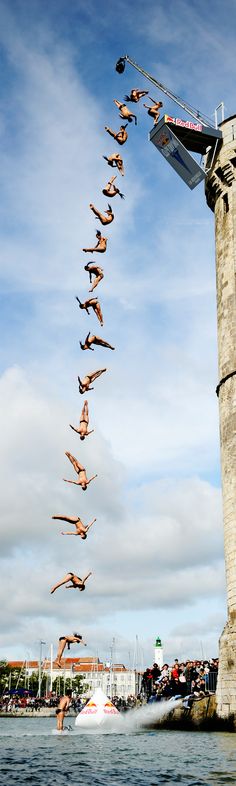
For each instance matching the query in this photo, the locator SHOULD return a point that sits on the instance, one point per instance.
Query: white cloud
(155, 546)
(157, 543)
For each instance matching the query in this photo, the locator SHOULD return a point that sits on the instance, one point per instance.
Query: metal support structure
(208, 158)
(27, 675)
(120, 66)
(20, 674)
(135, 656)
(51, 667)
(40, 667)
(220, 106)
(111, 667)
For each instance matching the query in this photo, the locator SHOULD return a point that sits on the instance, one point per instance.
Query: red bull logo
(110, 711)
(97, 711)
(90, 709)
(183, 123)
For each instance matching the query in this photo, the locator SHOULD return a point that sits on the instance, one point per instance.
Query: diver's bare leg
(76, 464)
(60, 720)
(70, 519)
(98, 312)
(95, 211)
(96, 374)
(109, 131)
(60, 583)
(96, 282)
(120, 167)
(102, 343)
(61, 647)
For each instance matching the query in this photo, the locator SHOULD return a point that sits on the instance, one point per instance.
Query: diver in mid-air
(111, 190)
(82, 430)
(107, 219)
(93, 303)
(125, 112)
(67, 641)
(81, 529)
(95, 270)
(115, 160)
(135, 95)
(101, 244)
(85, 383)
(81, 472)
(76, 582)
(153, 111)
(91, 339)
(120, 136)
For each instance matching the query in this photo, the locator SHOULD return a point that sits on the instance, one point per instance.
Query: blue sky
(156, 552)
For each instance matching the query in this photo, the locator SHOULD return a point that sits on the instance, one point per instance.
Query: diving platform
(176, 139)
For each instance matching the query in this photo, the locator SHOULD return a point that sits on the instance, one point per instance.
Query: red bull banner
(109, 709)
(177, 155)
(183, 123)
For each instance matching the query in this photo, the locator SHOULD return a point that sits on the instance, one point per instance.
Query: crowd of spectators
(196, 678)
(123, 704)
(193, 678)
(15, 702)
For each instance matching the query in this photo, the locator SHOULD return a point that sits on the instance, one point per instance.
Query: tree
(4, 676)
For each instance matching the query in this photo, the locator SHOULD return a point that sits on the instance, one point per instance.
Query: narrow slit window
(226, 203)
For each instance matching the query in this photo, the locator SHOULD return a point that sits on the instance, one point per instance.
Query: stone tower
(221, 198)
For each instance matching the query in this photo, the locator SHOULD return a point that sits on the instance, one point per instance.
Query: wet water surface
(31, 753)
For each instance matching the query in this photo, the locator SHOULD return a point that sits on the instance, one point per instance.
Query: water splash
(146, 716)
(138, 719)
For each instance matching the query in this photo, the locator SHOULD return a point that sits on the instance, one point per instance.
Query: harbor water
(31, 754)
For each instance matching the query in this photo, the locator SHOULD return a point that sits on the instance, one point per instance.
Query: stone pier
(221, 198)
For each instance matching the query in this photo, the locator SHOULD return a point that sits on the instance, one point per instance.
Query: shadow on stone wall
(201, 716)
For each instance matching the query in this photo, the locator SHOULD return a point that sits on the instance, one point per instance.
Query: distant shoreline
(201, 716)
(44, 712)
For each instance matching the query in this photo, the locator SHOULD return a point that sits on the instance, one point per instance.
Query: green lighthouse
(158, 652)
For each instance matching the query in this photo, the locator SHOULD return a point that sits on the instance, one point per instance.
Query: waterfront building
(114, 680)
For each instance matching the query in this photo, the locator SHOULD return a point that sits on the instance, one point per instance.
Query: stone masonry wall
(221, 198)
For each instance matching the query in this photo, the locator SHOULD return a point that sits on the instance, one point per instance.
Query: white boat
(99, 711)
